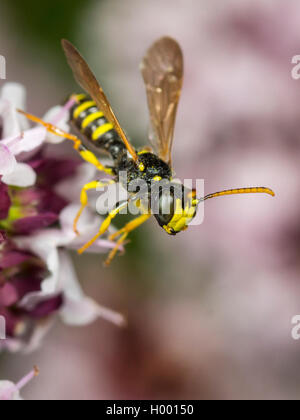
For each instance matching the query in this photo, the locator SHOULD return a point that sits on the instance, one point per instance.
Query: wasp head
(175, 207)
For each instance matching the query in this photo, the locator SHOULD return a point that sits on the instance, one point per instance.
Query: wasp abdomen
(92, 123)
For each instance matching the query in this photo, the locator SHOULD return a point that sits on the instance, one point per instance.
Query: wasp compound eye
(166, 207)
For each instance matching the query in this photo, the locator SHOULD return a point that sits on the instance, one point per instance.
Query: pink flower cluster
(37, 279)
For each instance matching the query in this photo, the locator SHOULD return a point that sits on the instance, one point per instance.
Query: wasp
(162, 72)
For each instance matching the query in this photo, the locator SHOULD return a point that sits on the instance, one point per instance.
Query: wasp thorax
(152, 168)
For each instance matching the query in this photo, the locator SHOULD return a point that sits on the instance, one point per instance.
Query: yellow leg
(84, 198)
(105, 225)
(124, 232)
(113, 252)
(86, 154)
(90, 157)
(130, 226)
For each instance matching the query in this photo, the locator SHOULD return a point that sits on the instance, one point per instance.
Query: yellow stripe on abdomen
(83, 107)
(80, 97)
(91, 118)
(102, 130)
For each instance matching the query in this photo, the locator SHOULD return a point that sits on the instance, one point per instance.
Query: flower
(16, 137)
(26, 210)
(11, 391)
(37, 280)
(22, 273)
(50, 246)
(37, 209)
(18, 141)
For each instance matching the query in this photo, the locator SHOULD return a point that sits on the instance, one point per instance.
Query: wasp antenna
(250, 190)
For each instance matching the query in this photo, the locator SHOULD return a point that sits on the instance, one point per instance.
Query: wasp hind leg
(90, 157)
(84, 198)
(124, 232)
(86, 154)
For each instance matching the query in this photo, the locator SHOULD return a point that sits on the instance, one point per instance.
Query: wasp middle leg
(84, 198)
(105, 225)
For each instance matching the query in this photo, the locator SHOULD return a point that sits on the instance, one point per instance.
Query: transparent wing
(86, 79)
(162, 71)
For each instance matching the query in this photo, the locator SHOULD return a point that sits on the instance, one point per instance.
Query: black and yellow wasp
(162, 71)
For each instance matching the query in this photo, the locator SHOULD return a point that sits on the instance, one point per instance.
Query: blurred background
(209, 312)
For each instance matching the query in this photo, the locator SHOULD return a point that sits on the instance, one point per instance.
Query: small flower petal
(30, 224)
(51, 116)
(28, 140)
(63, 113)
(13, 96)
(8, 391)
(79, 309)
(47, 307)
(51, 170)
(3, 236)
(8, 295)
(7, 160)
(22, 176)
(12, 258)
(15, 93)
(85, 311)
(84, 174)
